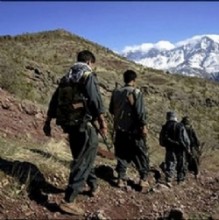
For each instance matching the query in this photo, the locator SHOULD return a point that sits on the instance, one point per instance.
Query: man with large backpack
(129, 114)
(174, 138)
(77, 105)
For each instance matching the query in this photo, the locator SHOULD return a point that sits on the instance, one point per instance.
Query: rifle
(106, 142)
(193, 164)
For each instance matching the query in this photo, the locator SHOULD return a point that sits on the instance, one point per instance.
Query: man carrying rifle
(129, 115)
(75, 105)
(174, 138)
(193, 157)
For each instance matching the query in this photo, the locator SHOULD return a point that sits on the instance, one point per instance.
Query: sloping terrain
(34, 172)
(31, 65)
(34, 169)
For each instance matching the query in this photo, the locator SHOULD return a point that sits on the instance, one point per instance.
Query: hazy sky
(113, 24)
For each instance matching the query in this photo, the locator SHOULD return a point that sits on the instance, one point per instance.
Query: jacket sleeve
(53, 105)
(183, 137)
(140, 110)
(95, 103)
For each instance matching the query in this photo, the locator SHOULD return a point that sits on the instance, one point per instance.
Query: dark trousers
(175, 159)
(83, 145)
(193, 160)
(131, 148)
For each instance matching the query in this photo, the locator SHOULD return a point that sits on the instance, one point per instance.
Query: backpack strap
(85, 76)
(132, 96)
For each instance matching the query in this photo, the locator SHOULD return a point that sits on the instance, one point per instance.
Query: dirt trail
(197, 199)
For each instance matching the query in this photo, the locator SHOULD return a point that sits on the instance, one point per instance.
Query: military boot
(121, 183)
(71, 208)
(94, 190)
(144, 186)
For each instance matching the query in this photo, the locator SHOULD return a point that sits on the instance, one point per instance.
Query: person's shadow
(36, 185)
(106, 173)
(49, 155)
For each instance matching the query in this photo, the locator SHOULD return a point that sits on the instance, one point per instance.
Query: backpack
(163, 137)
(167, 136)
(124, 115)
(72, 102)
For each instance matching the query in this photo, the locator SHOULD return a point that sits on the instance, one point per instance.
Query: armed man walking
(77, 105)
(174, 138)
(128, 110)
(193, 158)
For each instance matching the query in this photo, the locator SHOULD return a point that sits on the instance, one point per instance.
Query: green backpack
(123, 109)
(72, 103)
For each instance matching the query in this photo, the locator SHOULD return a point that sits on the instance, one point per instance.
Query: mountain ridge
(196, 56)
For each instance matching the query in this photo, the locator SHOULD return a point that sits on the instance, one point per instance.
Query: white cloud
(164, 45)
(145, 47)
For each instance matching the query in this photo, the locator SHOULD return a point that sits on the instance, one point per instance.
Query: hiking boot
(71, 208)
(84, 188)
(121, 183)
(169, 184)
(168, 179)
(181, 182)
(144, 185)
(197, 176)
(94, 191)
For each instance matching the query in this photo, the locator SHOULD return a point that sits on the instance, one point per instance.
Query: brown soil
(197, 199)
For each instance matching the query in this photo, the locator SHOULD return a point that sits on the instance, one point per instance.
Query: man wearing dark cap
(193, 158)
(174, 138)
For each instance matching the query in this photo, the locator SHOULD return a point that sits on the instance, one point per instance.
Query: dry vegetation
(30, 66)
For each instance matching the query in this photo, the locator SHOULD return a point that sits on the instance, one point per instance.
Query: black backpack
(72, 102)
(167, 135)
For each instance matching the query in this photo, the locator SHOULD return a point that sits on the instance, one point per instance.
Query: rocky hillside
(30, 66)
(34, 172)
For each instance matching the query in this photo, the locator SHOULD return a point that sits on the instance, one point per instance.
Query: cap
(185, 120)
(171, 116)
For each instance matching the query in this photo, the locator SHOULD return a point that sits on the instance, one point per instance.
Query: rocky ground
(21, 120)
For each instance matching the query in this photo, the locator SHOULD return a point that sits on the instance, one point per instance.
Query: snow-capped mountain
(197, 56)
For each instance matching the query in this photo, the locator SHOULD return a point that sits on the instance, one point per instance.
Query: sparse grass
(200, 216)
(53, 52)
(52, 159)
(210, 159)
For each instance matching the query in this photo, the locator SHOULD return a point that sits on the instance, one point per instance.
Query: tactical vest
(72, 103)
